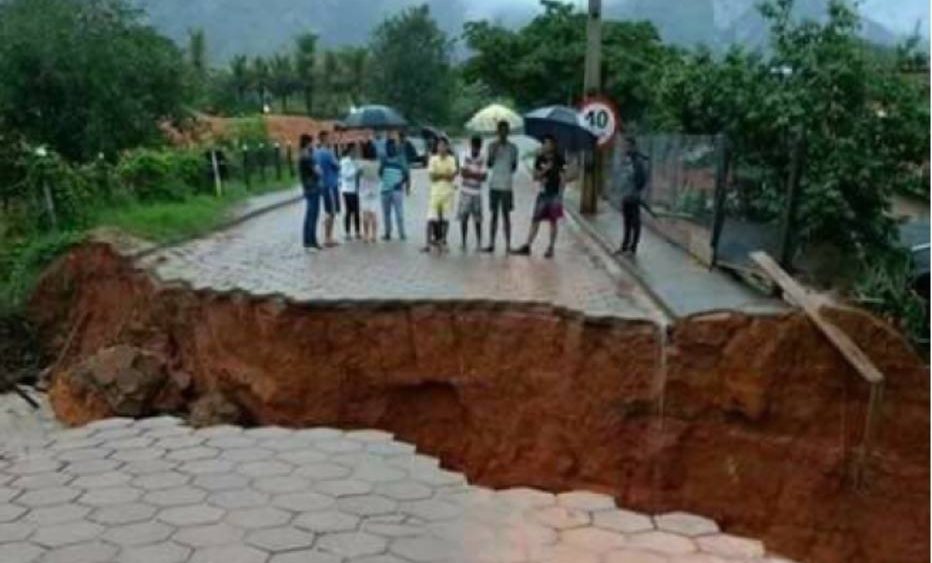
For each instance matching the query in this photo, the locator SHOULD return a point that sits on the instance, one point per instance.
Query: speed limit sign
(602, 117)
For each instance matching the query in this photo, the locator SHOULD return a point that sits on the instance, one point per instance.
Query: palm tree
(239, 70)
(355, 63)
(282, 78)
(260, 70)
(304, 64)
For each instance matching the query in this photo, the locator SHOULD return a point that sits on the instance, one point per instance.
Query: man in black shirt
(309, 173)
(549, 170)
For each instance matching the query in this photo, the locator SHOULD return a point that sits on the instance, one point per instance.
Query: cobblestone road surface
(265, 256)
(156, 491)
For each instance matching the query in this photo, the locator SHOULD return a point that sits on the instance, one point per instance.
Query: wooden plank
(852, 353)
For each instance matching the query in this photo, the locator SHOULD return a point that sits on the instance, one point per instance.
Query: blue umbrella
(566, 124)
(374, 117)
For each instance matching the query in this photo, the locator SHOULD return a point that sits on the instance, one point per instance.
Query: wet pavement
(264, 256)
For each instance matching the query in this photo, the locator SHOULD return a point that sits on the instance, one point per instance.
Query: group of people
(362, 182)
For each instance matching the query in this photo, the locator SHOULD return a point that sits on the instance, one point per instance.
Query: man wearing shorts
(503, 162)
(474, 173)
(330, 184)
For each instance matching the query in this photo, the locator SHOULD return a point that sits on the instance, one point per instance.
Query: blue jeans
(394, 199)
(310, 218)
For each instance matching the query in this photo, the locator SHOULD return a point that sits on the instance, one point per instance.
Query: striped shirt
(474, 172)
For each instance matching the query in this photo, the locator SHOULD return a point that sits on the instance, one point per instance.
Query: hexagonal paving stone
(352, 544)
(306, 556)
(278, 540)
(33, 466)
(221, 482)
(247, 454)
(562, 518)
(268, 432)
(83, 454)
(315, 434)
(16, 531)
(206, 467)
(404, 490)
(57, 514)
(726, 545)
(165, 552)
(661, 542)
(281, 484)
(134, 535)
(323, 471)
(283, 444)
(161, 481)
(92, 466)
(141, 454)
(209, 536)
(338, 446)
(110, 423)
(192, 454)
(178, 496)
(593, 539)
(219, 430)
(238, 498)
(528, 498)
(47, 497)
(148, 467)
(130, 443)
(230, 554)
(101, 480)
(231, 442)
(10, 512)
(182, 442)
(629, 556)
(432, 509)
(563, 553)
(264, 469)
(42, 481)
(375, 472)
(685, 524)
(326, 522)
(123, 513)
(367, 505)
(113, 495)
(20, 552)
(422, 549)
(159, 422)
(343, 487)
(583, 500)
(302, 456)
(117, 434)
(303, 502)
(90, 552)
(390, 449)
(169, 431)
(191, 515)
(67, 533)
(257, 518)
(623, 521)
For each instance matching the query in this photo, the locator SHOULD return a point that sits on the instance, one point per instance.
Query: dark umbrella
(374, 117)
(565, 123)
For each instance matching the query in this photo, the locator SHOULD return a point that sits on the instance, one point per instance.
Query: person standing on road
(503, 162)
(550, 171)
(330, 179)
(349, 187)
(309, 174)
(470, 205)
(395, 177)
(635, 180)
(369, 196)
(442, 169)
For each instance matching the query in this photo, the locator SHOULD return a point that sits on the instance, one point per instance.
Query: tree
(354, 66)
(305, 60)
(240, 75)
(197, 52)
(261, 75)
(86, 77)
(412, 66)
(282, 79)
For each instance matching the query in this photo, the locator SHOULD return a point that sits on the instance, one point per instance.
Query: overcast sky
(899, 15)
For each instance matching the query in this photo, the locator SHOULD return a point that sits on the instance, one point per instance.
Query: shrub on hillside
(162, 175)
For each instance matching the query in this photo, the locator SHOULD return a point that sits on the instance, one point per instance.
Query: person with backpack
(634, 170)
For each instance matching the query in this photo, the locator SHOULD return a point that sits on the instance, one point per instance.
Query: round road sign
(602, 117)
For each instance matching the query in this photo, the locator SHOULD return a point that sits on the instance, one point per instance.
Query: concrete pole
(592, 176)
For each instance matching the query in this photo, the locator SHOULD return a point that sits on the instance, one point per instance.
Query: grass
(23, 259)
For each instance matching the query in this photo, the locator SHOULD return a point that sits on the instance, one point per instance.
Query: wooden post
(218, 183)
(246, 176)
(278, 161)
(290, 156)
(721, 193)
(262, 156)
(592, 172)
(50, 204)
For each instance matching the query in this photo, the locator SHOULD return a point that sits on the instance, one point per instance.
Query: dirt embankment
(753, 421)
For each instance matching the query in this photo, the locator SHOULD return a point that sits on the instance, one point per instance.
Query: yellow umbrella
(487, 119)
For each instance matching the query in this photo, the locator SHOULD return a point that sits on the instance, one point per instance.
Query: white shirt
(349, 173)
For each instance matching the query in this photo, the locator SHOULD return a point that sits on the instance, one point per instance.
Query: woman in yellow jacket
(442, 169)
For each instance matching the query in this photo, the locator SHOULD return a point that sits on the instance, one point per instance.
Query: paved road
(155, 491)
(264, 256)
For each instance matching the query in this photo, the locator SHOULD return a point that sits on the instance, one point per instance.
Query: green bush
(162, 175)
(251, 131)
(22, 261)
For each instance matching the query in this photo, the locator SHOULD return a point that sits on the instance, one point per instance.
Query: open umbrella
(374, 117)
(487, 119)
(565, 123)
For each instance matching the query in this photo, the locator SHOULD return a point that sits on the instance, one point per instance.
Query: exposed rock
(753, 421)
(214, 409)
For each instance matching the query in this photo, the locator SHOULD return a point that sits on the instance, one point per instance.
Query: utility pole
(592, 176)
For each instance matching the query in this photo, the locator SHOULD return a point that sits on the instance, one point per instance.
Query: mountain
(262, 28)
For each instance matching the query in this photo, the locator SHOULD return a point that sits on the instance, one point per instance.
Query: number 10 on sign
(602, 117)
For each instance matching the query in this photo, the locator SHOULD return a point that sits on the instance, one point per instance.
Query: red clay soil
(753, 421)
(284, 129)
